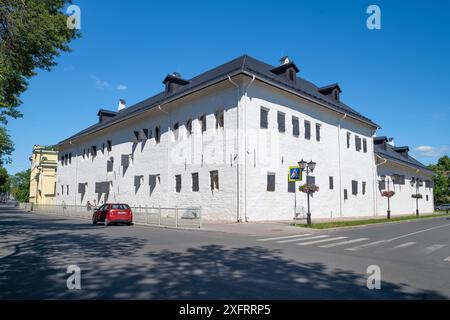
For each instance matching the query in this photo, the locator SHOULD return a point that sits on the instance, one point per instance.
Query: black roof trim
(107, 112)
(401, 149)
(175, 79)
(281, 69)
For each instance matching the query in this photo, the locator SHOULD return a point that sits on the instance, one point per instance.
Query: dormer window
(173, 82)
(288, 69)
(333, 91)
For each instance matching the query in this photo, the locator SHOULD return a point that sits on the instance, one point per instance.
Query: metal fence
(153, 216)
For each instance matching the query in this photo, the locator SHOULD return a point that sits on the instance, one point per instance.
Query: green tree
(4, 182)
(20, 185)
(6, 146)
(32, 34)
(441, 180)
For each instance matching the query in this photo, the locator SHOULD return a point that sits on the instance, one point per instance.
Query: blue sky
(397, 76)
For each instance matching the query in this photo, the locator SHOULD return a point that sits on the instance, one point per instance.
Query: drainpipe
(238, 217)
(375, 180)
(340, 169)
(168, 147)
(245, 147)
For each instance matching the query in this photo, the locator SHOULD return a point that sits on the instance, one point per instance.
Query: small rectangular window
(426, 197)
(84, 155)
(364, 187)
(354, 187)
(110, 165)
(318, 125)
(264, 118)
(176, 126)
(345, 194)
(295, 127)
(136, 135)
(103, 148)
(94, 151)
(214, 179)
(195, 182)
(146, 133)
(178, 183)
(281, 122)
(307, 130)
(62, 190)
(219, 119)
(189, 126)
(157, 134)
(109, 145)
(428, 184)
(348, 139)
(67, 191)
(358, 143)
(364, 145)
(202, 120)
(331, 183)
(70, 158)
(271, 181)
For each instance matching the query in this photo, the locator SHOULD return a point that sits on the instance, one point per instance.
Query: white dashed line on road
(404, 245)
(371, 244)
(433, 248)
(301, 239)
(447, 259)
(320, 241)
(331, 245)
(286, 237)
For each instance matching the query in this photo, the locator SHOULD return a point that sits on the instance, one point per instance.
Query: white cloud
(432, 152)
(122, 87)
(99, 83)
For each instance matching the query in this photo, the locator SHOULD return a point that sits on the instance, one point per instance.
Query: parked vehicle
(443, 207)
(110, 213)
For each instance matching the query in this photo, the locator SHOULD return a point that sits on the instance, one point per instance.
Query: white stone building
(224, 140)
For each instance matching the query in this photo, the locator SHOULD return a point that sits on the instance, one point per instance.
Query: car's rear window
(120, 206)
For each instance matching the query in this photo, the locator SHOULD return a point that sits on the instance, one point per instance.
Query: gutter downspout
(238, 217)
(245, 147)
(168, 147)
(375, 180)
(340, 169)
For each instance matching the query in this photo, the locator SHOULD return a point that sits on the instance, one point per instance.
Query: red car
(113, 213)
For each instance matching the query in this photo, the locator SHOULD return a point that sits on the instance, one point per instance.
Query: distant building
(43, 175)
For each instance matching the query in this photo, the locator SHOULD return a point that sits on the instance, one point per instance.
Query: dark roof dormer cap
(287, 69)
(380, 140)
(174, 81)
(332, 90)
(402, 150)
(104, 114)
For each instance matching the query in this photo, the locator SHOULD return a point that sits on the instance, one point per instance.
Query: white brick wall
(260, 151)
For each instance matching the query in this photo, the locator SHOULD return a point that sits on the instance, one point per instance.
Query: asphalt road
(121, 262)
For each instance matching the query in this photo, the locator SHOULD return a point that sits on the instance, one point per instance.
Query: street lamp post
(307, 167)
(415, 182)
(387, 180)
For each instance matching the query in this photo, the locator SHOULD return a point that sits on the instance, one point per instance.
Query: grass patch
(351, 223)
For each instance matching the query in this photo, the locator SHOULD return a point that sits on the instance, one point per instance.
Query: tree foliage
(20, 185)
(32, 34)
(441, 180)
(6, 146)
(4, 182)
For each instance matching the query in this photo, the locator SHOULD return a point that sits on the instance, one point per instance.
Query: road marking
(433, 248)
(371, 244)
(307, 238)
(404, 245)
(319, 241)
(286, 237)
(420, 231)
(343, 243)
(447, 259)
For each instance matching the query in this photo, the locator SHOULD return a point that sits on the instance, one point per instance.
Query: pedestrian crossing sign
(295, 174)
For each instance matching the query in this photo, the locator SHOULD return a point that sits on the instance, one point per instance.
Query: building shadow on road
(128, 267)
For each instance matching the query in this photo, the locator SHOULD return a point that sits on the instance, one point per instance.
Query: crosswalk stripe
(301, 239)
(433, 248)
(404, 245)
(286, 237)
(331, 245)
(447, 259)
(371, 244)
(319, 241)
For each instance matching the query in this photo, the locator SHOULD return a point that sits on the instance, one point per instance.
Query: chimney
(122, 105)
(173, 82)
(288, 69)
(391, 141)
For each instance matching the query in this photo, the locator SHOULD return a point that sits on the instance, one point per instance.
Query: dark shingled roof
(244, 64)
(391, 154)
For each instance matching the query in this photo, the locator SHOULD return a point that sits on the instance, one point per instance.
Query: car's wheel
(107, 223)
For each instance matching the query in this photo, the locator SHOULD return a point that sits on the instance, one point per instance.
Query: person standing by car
(88, 206)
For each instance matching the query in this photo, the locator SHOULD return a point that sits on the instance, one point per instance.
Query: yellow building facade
(43, 175)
